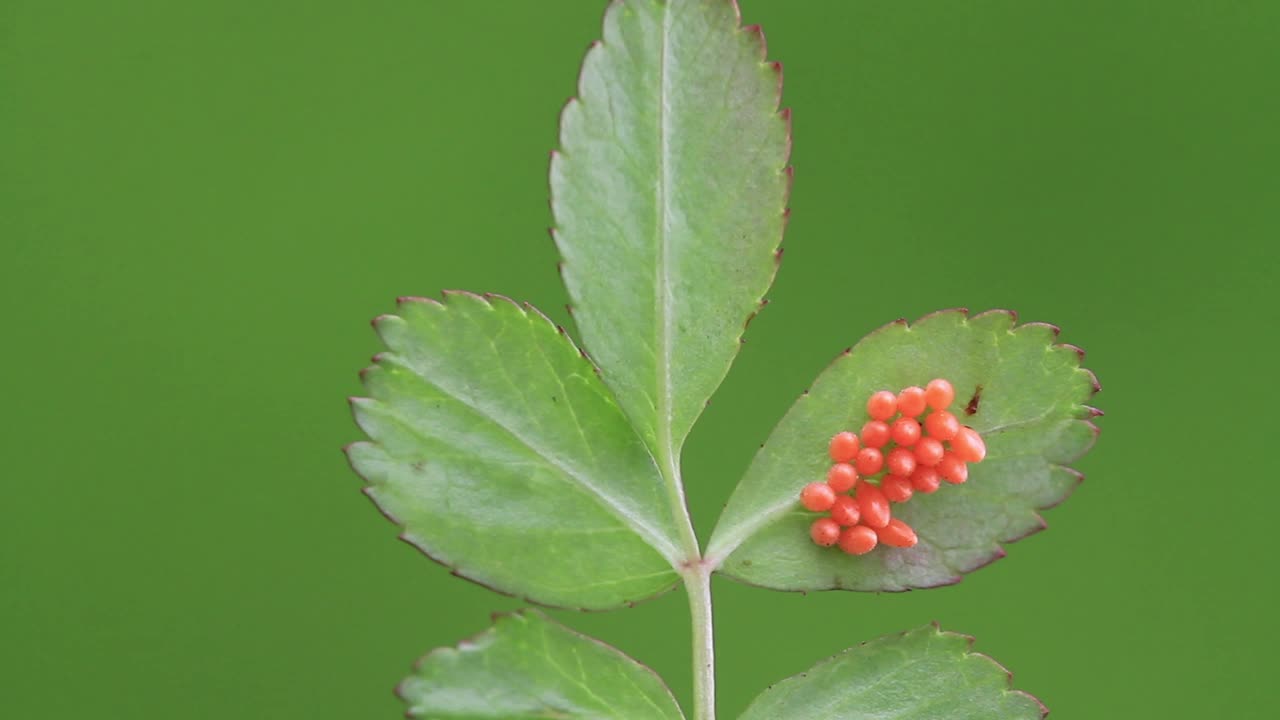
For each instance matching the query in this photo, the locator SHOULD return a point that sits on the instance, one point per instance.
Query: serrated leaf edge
(784, 114)
(719, 551)
(454, 569)
(523, 615)
(938, 631)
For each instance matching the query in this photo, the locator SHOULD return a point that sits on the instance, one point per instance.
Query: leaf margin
(367, 489)
(755, 31)
(717, 556)
(495, 618)
(969, 641)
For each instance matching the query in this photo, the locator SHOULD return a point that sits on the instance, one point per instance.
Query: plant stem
(697, 582)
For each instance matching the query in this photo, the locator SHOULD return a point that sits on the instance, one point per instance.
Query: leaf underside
(923, 674)
(669, 193)
(527, 666)
(1031, 412)
(501, 453)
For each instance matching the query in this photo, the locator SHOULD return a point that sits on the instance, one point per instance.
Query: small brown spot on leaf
(972, 407)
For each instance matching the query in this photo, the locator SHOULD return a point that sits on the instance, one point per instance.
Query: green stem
(697, 582)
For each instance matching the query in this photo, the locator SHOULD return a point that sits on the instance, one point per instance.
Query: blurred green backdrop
(202, 203)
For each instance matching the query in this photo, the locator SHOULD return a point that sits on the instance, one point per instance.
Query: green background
(203, 203)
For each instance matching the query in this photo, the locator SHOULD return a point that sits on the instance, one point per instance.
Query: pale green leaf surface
(923, 674)
(669, 193)
(527, 667)
(1031, 414)
(501, 453)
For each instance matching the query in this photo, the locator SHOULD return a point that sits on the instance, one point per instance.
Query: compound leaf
(923, 674)
(502, 454)
(527, 666)
(1030, 410)
(669, 193)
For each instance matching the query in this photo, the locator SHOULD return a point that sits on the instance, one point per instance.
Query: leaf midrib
(719, 551)
(662, 299)
(665, 450)
(651, 536)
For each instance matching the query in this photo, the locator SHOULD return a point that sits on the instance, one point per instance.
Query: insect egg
(817, 497)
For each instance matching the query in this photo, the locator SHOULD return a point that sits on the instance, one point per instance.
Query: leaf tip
(348, 451)
(451, 295)
(413, 299)
(490, 297)
(1040, 526)
(1096, 387)
(1095, 430)
(1054, 330)
(938, 315)
(944, 582)
(996, 555)
(1008, 675)
(1079, 351)
(1011, 315)
(754, 31)
(764, 302)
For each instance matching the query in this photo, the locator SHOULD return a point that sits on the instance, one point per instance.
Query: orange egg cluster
(899, 452)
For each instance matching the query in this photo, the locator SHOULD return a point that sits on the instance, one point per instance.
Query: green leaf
(527, 666)
(502, 454)
(1031, 413)
(669, 193)
(924, 674)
